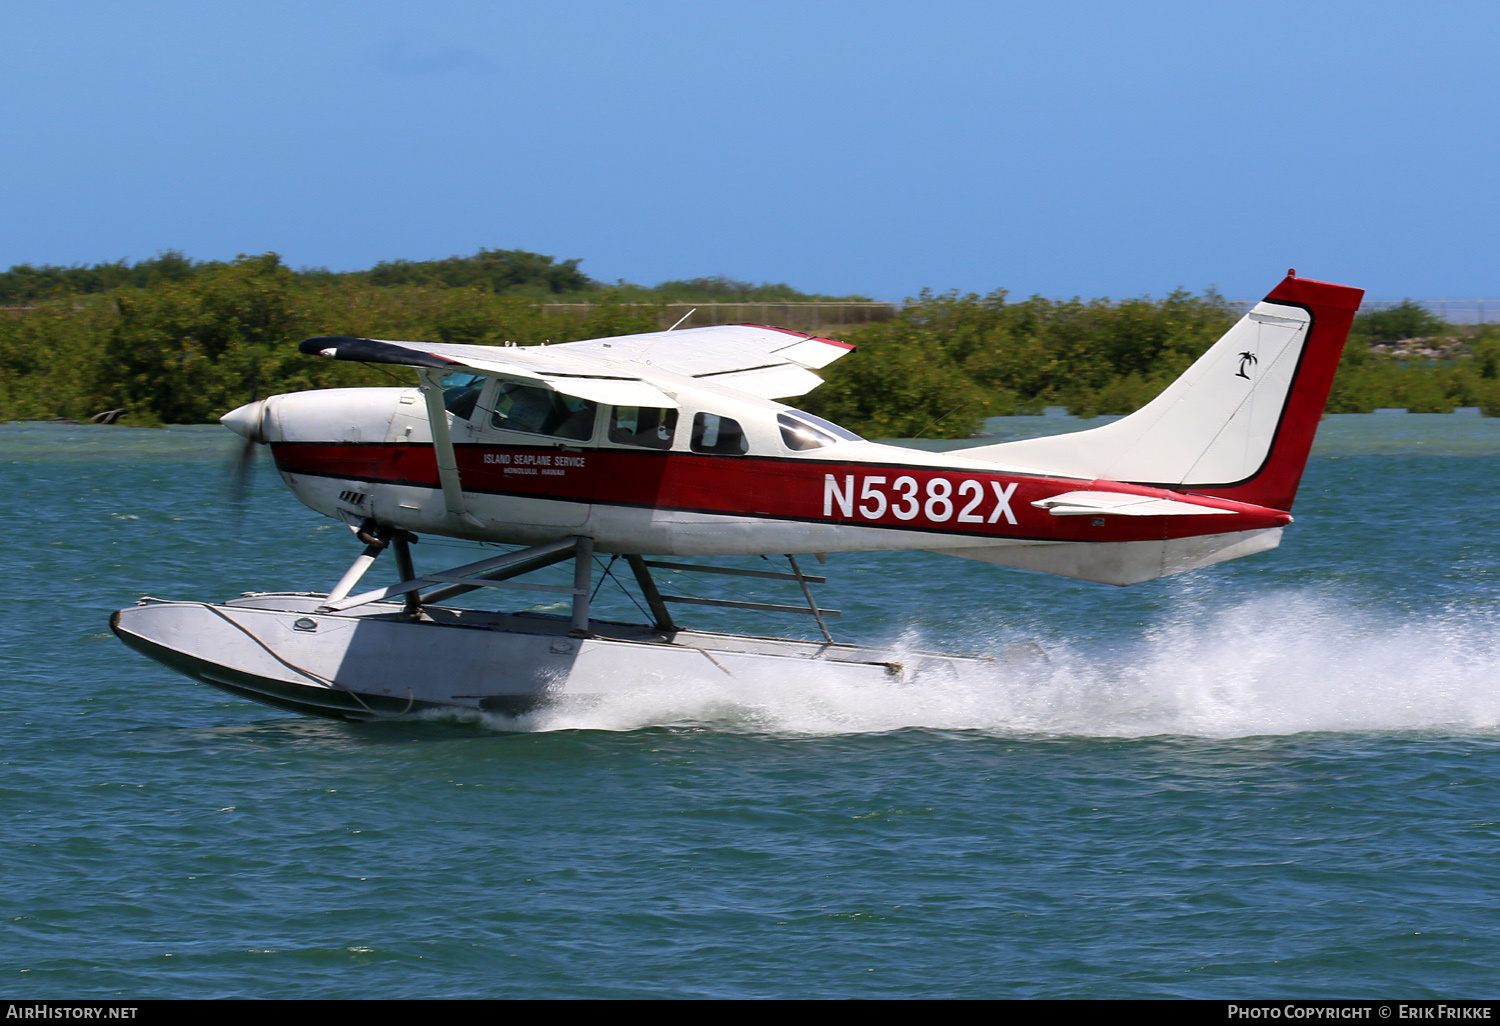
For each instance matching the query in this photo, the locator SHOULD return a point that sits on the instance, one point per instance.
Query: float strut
(583, 575)
(375, 539)
(653, 597)
(401, 549)
(811, 602)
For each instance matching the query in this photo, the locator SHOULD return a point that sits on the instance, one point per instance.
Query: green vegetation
(948, 361)
(720, 289)
(190, 349)
(512, 273)
(1404, 321)
(505, 272)
(177, 341)
(24, 283)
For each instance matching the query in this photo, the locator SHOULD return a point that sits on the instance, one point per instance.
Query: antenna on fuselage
(683, 318)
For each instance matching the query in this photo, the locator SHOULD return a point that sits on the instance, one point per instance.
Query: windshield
(801, 431)
(461, 392)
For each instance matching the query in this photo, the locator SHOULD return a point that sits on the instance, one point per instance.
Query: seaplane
(664, 448)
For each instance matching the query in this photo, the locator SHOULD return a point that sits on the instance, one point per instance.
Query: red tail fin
(1332, 309)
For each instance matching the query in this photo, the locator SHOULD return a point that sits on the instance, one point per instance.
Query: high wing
(596, 379)
(624, 370)
(773, 363)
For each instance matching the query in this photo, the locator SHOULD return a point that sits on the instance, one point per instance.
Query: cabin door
(529, 454)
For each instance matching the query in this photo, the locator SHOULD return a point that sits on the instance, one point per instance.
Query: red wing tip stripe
(800, 334)
(772, 327)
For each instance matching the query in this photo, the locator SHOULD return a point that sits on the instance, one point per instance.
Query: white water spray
(1281, 663)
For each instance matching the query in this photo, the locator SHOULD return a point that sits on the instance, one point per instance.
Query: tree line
(948, 361)
(185, 344)
(510, 273)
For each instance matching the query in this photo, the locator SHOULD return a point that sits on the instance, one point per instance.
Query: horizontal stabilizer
(1125, 563)
(1079, 504)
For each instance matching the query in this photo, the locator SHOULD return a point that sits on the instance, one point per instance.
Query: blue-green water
(1275, 777)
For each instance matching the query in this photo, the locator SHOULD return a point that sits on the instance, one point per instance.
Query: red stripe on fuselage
(919, 498)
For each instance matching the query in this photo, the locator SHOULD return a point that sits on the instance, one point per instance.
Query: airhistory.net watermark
(50, 1011)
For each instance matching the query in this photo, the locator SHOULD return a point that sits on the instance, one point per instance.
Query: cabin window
(541, 411)
(461, 393)
(718, 435)
(643, 426)
(801, 431)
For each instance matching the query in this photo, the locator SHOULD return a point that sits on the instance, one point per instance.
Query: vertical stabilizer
(1237, 424)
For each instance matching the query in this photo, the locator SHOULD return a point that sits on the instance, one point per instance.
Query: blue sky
(1065, 149)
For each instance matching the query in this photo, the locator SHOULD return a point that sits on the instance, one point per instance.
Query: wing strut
(442, 447)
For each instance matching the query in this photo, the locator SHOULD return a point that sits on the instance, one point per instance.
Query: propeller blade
(241, 471)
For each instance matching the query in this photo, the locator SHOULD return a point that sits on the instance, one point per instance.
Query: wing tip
(369, 350)
(799, 334)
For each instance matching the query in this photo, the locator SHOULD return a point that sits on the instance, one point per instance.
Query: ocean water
(1274, 777)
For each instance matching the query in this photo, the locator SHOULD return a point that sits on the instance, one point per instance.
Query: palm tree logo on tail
(1246, 360)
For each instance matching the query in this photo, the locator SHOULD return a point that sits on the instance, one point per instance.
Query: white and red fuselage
(1205, 473)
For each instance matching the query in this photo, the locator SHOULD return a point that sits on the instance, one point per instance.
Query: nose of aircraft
(245, 421)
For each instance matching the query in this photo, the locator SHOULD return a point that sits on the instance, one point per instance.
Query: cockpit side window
(718, 435)
(643, 426)
(461, 393)
(801, 431)
(541, 411)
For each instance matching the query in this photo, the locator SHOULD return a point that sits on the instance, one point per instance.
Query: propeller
(245, 422)
(239, 472)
